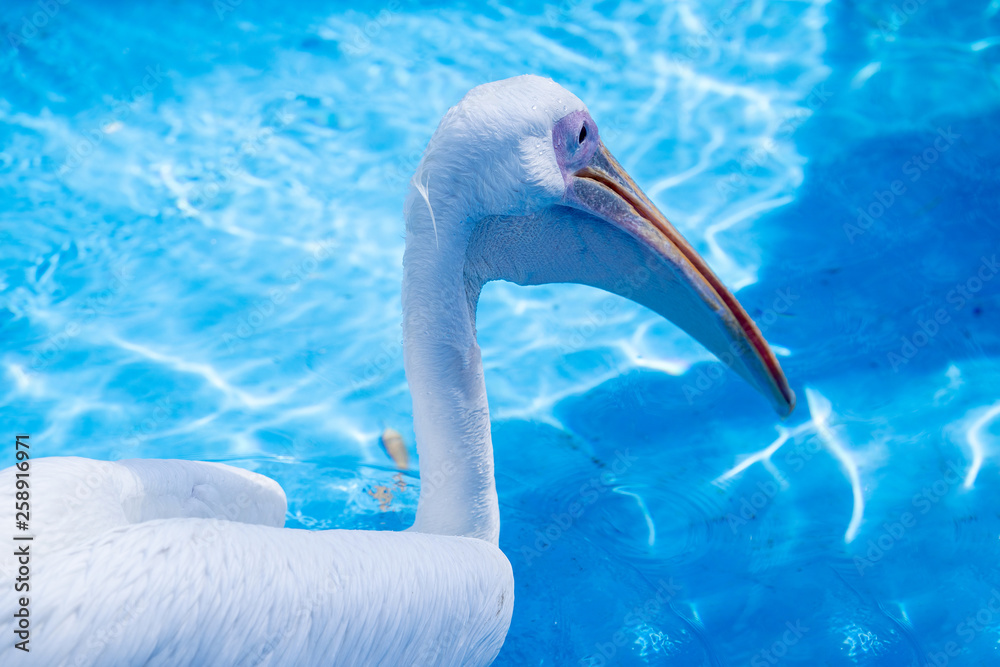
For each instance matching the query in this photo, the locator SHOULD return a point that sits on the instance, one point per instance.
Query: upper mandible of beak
(686, 291)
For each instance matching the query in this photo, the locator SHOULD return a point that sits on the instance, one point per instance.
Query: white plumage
(186, 563)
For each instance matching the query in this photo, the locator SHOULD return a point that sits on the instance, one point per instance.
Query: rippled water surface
(200, 216)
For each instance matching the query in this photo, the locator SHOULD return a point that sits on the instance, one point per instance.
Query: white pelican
(166, 562)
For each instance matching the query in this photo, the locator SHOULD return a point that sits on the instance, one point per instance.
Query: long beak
(689, 294)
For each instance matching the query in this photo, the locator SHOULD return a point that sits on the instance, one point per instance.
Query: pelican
(169, 562)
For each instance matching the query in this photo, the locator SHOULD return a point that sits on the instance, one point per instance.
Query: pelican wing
(173, 568)
(73, 499)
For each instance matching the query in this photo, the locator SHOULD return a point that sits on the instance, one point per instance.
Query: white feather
(184, 563)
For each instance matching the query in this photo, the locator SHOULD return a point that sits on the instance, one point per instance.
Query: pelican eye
(583, 134)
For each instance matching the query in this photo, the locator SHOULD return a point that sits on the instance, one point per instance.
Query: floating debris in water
(400, 482)
(383, 495)
(393, 444)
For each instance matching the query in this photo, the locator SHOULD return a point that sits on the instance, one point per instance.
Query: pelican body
(167, 562)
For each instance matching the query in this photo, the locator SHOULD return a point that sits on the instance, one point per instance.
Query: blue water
(200, 216)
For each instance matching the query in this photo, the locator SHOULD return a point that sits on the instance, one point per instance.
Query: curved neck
(444, 369)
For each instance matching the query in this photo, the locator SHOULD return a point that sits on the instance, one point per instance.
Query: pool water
(200, 216)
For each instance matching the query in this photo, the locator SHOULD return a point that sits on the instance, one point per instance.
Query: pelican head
(517, 182)
(517, 185)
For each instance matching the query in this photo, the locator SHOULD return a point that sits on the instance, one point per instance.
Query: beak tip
(786, 406)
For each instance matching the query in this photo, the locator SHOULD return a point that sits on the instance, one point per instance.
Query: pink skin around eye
(570, 153)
